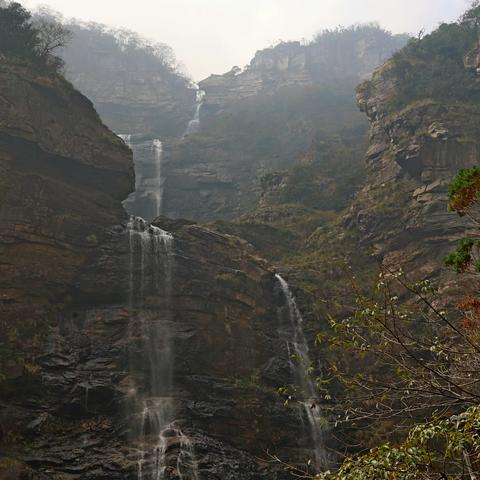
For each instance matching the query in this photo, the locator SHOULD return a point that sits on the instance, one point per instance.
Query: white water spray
(127, 138)
(157, 181)
(300, 362)
(194, 124)
(147, 198)
(154, 402)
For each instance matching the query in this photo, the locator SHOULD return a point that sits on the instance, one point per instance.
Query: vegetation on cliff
(434, 65)
(35, 43)
(440, 449)
(141, 89)
(411, 357)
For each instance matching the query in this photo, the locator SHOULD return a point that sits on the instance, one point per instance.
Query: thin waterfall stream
(300, 362)
(147, 198)
(153, 402)
(194, 124)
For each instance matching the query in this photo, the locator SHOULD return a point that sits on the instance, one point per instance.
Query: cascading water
(194, 124)
(300, 362)
(147, 198)
(157, 179)
(153, 401)
(127, 138)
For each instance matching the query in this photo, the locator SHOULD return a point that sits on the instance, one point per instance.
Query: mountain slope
(268, 117)
(135, 84)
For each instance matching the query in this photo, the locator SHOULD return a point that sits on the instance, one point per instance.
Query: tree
(17, 36)
(414, 359)
(51, 36)
(35, 42)
(411, 355)
(439, 449)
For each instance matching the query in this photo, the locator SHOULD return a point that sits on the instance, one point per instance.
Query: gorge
(171, 265)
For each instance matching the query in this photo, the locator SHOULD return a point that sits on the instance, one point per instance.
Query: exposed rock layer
(413, 155)
(266, 117)
(73, 415)
(132, 83)
(63, 175)
(74, 334)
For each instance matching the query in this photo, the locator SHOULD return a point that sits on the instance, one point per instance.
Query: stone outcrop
(413, 155)
(63, 175)
(77, 306)
(133, 86)
(265, 117)
(269, 71)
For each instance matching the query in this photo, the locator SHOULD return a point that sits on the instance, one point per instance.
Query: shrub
(36, 44)
(464, 191)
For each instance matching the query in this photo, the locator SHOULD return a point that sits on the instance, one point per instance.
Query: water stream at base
(154, 405)
(300, 362)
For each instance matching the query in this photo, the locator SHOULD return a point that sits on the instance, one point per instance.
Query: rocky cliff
(416, 148)
(267, 117)
(63, 177)
(339, 55)
(127, 351)
(134, 84)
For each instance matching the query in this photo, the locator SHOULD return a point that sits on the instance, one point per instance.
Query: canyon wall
(414, 153)
(83, 296)
(266, 117)
(134, 84)
(63, 177)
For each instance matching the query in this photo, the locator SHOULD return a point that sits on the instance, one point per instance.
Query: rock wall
(413, 155)
(63, 177)
(333, 56)
(72, 414)
(265, 118)
(73, 336)
(133, 84)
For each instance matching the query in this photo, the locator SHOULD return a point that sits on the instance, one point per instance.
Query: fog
(210, 36)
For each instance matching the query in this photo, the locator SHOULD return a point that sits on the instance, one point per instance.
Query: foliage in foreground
(464, 194)
(440, 449)
(414, 357)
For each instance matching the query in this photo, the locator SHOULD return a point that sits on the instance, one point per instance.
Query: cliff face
(288, 64)
(134, 85)
(414, 152)
(63, 177)
(266, 118)
(214, 326)
(110, 332)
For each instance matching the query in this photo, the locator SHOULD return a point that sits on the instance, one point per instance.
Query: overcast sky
(211, 36)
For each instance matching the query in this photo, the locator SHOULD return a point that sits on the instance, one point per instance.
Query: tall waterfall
(153, 400)
(194, 124)
(300, 362)
(146, 200)
(157, 180)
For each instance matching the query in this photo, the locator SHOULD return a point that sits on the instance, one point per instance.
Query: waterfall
(153, 400)
(157, 181)
(300, 362)
(194, 124)
(127, 138)
(146, 200)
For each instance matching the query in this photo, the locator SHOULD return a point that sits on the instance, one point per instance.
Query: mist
(211, 37)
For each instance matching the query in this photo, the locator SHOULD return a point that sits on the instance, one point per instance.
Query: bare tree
(52, 36)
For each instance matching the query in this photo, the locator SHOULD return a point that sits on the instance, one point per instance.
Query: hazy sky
(211, 36)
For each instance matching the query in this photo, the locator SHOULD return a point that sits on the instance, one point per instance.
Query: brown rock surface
(63, 175)
(414, 153)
